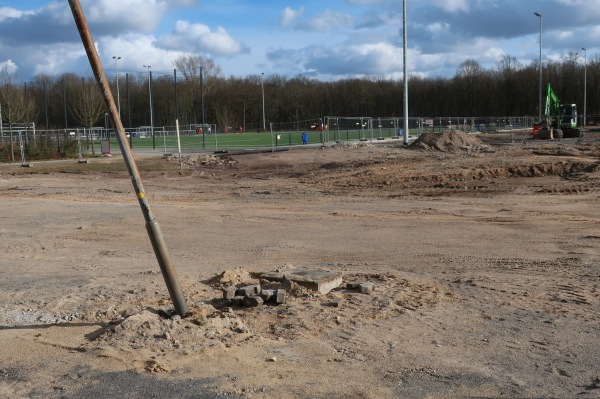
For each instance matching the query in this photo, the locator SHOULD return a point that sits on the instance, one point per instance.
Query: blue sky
(327, 40)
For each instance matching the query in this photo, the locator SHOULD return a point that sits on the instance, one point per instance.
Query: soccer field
(224, 141)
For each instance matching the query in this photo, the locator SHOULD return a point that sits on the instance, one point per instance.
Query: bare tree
(197, 71)
(469, 71)
(191, 67)
(16, 106)
(87, 105)
(508, 68)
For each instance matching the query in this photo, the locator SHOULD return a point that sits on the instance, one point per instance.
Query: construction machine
(560, 120)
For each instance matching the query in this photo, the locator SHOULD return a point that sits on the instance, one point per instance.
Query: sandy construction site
(484, 255)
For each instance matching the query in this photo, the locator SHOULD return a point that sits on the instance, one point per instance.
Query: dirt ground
(484, 255)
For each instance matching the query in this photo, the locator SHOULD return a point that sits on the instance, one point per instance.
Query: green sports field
(223, 141)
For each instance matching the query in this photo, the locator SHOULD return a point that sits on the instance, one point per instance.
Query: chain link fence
(24, 142)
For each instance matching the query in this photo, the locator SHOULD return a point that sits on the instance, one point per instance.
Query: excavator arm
(552, 104)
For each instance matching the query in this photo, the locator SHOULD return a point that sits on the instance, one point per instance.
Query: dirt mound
(232, 277)
(348, 144)
(204, 327)
(453, 141)
(204, 161)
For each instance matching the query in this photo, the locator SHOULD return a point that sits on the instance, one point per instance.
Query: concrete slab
(321, 281)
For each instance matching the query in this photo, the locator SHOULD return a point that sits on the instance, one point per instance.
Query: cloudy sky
(326, 40)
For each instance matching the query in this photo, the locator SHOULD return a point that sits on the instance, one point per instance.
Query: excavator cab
(568, 115)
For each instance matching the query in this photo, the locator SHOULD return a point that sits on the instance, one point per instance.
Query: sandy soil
(484, 258)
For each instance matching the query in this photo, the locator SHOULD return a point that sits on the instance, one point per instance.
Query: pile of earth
(348, 144)
(453, 141)
(204, 160)
(150, 333)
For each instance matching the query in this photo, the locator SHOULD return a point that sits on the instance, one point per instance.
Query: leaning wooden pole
(154, 232)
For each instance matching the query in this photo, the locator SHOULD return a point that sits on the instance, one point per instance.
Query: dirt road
(485, 262)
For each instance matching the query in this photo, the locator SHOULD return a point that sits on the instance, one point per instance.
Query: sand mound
(203, 327)
(453, 141)
(348, 144)
(232, 277)
(207, 160)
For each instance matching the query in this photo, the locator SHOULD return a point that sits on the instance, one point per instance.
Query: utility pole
(539, 15)
(1, 128)
(262, 85)
(584, 87)
(152, 227)
(405, 135)
(151, 107)
(117, 58)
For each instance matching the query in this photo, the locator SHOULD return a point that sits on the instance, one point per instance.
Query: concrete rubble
(320, 281)
(272, 287)
(253, 295)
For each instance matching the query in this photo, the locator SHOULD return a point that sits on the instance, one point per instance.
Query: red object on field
(536, 129)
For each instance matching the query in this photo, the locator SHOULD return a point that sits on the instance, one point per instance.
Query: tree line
(197, 92)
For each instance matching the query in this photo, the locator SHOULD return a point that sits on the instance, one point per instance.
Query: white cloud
(330, 39)
(365, 2)
(9, 67)
(289, 15)
(341, 60)
(328, 20)
(452, 6)
(195, 38)
(57, 59)
(437, 27)
(136, 50)
(126, 15)
(8, 13)
(186, 3)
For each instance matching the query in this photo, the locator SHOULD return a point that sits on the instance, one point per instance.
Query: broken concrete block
(252, 301)
(249, 290)
(238, 300)
(353, 285)
(321, 281)
(280, 296)
(267, 295)
(229, 292)
(336, 303)
(366, 287)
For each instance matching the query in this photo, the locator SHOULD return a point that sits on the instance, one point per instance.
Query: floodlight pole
(1, 128)
(262, 86)
(202, 105)
(539, 15)
(117, 58)
(152, 227)
(405, 133)
(151, 107)
(584, 86)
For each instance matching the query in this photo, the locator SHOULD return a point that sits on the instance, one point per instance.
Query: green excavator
(560, 120)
